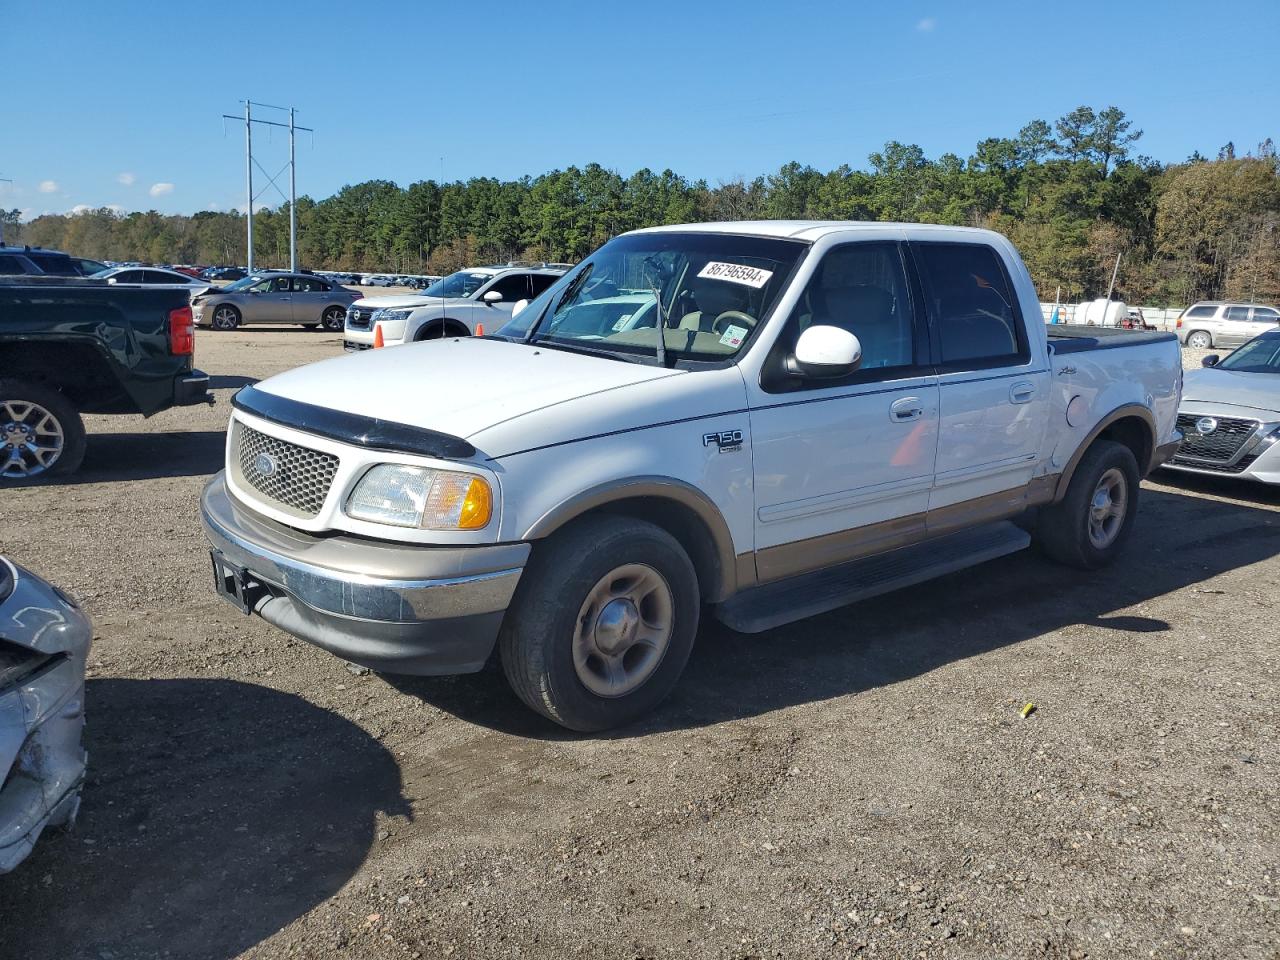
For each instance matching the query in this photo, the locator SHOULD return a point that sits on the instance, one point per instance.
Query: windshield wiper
(660, 348)
(591, 351)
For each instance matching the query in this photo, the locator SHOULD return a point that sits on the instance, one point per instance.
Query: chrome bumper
(394, 607)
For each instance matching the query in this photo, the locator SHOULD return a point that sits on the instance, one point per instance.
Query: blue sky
(120, 103)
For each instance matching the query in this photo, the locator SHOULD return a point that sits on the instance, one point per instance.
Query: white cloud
(86, 208)
(926, 25)
(161, 189)
(126, 178)
(48, 186)
(80, 208)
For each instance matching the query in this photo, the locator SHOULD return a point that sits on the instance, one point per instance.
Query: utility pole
(3, 180)
(1110, 288)
(250, 162)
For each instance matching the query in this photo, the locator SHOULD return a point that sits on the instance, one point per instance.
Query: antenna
(3, 180)
(250, 162)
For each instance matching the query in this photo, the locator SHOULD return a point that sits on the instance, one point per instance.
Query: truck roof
(816, 229)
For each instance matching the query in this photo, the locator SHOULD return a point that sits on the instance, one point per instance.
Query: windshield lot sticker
(732, 336)
(736, 273)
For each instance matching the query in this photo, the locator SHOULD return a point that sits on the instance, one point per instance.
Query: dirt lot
(857, 784)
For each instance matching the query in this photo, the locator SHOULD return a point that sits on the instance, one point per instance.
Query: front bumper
(1258, 458)
(192, 388)
(398, 608)
(42, 761)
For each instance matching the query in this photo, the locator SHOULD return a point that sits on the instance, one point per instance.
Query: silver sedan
(300, 298)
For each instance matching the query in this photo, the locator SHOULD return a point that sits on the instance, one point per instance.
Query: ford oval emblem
(1206, 426)
(265, 464)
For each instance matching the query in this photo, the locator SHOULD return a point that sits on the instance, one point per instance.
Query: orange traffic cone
(479, 329)
(377, 336)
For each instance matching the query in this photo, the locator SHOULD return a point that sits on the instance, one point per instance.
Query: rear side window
(1237, 313)
(58, 266)
(971, 307)
(1201, 313)
(11, 265)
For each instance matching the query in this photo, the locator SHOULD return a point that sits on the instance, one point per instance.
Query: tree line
(1071, 195)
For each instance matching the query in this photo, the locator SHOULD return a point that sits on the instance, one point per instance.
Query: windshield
(460, 284)
(243, 284)
(1257, 356)
(714, 290)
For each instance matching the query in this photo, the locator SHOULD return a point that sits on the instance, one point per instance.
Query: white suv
(1216, 324)
(452, 307)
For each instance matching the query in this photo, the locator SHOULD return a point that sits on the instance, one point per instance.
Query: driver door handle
(906, 409)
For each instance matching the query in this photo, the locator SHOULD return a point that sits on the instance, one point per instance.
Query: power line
(250, 161)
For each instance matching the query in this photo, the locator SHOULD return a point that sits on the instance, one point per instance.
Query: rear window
(1203, 312)
(971, 306)
(58, 266)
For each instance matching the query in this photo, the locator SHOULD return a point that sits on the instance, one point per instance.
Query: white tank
(1100, 313)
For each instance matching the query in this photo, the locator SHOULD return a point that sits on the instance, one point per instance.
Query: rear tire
(1200, 340)
(602, 623)
(1090, 525)
(59, 440)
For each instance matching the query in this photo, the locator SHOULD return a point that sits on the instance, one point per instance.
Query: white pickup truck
(832, 411)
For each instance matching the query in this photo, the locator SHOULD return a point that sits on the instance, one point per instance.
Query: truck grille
(286, 473)
(1219, 446)
(359, 318)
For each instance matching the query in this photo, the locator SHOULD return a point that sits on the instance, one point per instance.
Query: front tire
(1200, 340)
(225, 317)
(334, 319)
(1090, 525)
(602, 623)
(41, 433)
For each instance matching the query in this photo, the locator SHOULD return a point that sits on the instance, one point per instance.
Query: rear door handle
(1023, 391)
(908, 408)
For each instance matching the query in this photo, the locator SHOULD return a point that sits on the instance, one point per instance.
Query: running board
(784, 601)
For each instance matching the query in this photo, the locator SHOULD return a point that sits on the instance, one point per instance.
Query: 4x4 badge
(727, 440)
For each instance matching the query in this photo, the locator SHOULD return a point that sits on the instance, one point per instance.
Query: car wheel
(440, 330)
(41, 433)
(1200, 340)
(1089, 526)
(334, 319)
(225, 317)
(602, 623)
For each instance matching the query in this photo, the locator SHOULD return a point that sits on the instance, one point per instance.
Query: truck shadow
(147, 456)
(1180, 540)
(226, 824)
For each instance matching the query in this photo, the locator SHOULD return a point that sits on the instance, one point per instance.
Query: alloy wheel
(31, 439)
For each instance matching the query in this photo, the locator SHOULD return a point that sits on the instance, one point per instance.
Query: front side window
(514, 287)
(1265, 315)
(971, 307)
(460, 284)
(541, 281)
(707, 292)
(862, 288)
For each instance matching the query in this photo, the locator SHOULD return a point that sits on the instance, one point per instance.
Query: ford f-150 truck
(74, 345)
(755, 421)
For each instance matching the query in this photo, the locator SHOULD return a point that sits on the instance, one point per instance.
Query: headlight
(386, 316)
(409, 496)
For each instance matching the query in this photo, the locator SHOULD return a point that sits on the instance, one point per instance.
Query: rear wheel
(1200, 339)
(41, 433)
(1089, 526)
(602, 623)
(333, 318)
(225, 317)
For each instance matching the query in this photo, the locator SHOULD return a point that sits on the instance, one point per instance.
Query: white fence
(1163, 317)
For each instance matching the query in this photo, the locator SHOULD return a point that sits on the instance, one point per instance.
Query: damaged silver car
(44, 641)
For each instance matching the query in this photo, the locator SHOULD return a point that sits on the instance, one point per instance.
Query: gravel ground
(859, 784)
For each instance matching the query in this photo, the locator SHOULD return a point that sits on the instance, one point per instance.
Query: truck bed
(1064, 339)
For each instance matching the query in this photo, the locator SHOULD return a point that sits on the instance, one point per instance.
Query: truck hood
(1258, 390)
(459, 386)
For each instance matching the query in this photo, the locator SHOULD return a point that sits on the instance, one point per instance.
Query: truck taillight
(182, 332)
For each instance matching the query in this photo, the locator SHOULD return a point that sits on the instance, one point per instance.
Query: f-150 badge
(727, 440)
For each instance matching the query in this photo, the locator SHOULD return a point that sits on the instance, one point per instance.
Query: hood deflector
(369, 432)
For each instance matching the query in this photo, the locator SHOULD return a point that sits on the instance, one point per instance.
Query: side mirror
(824, 351)
(518, 306)
(1210, 361)
(492, 297)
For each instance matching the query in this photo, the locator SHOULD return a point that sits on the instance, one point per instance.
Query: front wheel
(41, 433)
(1088, 527)
(1200, 340)
(334, 319)
(225, 317)
(602, 623)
